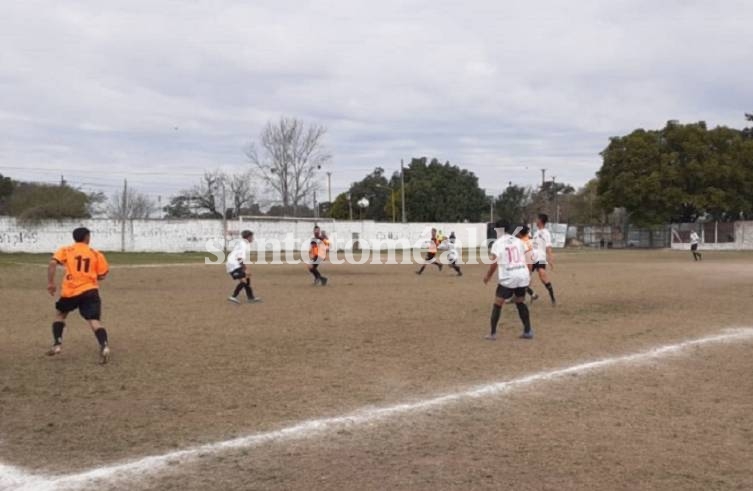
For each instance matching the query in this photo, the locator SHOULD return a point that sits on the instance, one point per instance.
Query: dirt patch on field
(188, 368)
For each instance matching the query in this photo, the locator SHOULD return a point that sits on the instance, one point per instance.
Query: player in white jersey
(452, 253)
(542, 250)
(694, 240)
(236, 268)
(509, 256)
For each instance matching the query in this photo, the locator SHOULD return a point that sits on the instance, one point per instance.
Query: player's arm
(492, 270)
(549, 256)
(51, 270)
(103, 268)
(528, 255)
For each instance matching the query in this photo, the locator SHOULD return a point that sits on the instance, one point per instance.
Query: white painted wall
(743, 240)
(141, 235)
(193, 235)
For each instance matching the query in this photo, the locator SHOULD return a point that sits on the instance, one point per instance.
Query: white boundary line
(13, 478)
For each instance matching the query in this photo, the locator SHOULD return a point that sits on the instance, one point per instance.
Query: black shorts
(89, 305)
(430, 256)
(507, 293)
(537, 266)
(238, 274)
(693, 247)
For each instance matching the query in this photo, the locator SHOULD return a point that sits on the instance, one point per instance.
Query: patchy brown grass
(189, 368)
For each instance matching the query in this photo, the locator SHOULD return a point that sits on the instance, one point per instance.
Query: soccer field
(382, 380)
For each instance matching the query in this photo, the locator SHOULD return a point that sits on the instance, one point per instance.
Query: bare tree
(210, 194)
(241, 191)
(288, 154)
(135, 206)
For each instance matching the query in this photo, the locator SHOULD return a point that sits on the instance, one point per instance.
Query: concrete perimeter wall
(743, 239)
(193, 235)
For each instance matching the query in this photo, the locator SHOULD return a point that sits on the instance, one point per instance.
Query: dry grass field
(190, 369)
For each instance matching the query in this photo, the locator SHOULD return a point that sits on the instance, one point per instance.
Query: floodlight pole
(402, 189)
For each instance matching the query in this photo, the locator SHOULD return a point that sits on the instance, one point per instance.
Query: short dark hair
(80, 234)
(524, 230)
(544, 218)
(503, 224)
(246, 234)
(316, 227)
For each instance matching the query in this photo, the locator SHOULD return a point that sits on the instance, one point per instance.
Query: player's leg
(249, 291)
(502, 294)
(523, 312)
(322, 279)
(533, 294)
(90, 308)
(58, 326)
(544, 277)
(314, 270)
(429, 260)
(696, 255)
(238, 275)
(454, 265)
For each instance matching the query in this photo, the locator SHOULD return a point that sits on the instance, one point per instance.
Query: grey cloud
(501, 88)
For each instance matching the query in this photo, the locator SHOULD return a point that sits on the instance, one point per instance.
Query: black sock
(57, 332)
(315, 272)
(496, 313)
(238, 288)
(249, 292)
(421, 270)
(101, 336)
(530, 291)
(551, 290)
(525, 316)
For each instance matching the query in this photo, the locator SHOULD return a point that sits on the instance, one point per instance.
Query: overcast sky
(158, 91)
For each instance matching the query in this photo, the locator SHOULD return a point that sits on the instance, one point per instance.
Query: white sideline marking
(13, 478)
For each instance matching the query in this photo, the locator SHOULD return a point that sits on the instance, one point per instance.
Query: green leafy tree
(436, 192)
(179, 207)
(512, 205)
(678, 174)
(340, 209)
(34, 202)
(6, 190)
(375, 188)
(585, 207)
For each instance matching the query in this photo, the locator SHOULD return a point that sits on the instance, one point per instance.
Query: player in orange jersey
(84, 268)
(431, 255)
(318, 248)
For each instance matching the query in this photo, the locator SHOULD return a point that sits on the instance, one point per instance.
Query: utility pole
(350, 206)
(491, 209)
(556, 200)
(543, 177)
(392, 193)
(123, 215)
(402, 189)
(329, 187)
(316, 208)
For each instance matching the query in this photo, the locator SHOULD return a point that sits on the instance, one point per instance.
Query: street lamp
(363, 203)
